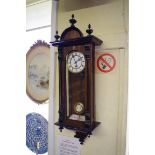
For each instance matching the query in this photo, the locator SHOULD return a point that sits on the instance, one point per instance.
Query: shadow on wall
(70, 5)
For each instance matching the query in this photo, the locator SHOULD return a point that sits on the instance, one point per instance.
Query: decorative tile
(36, 133)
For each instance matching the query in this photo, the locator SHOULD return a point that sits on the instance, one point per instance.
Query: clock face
(76, 62)
(79, 108)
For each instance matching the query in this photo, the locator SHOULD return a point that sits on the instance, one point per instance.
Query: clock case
(81, 85)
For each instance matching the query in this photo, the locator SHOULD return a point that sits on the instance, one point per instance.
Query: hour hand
(75, 63)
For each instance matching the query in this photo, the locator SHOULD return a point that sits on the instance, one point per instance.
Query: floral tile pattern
(36, 133)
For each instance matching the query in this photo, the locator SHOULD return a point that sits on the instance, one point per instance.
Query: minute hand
(79, 59)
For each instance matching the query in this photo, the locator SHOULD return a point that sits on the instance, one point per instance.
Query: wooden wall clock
(76, 55)
(37, 71)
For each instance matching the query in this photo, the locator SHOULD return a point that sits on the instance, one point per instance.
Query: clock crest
(76, 55)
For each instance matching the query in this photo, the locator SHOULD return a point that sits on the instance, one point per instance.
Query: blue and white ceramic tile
(36, 133)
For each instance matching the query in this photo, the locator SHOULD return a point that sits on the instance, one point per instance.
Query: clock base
(82, 134)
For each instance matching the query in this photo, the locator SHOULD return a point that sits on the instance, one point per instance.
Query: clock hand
(79, 59)
(75, 64)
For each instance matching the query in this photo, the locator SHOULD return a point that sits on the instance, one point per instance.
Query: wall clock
(76, 55)
(36, 133)
(37, 71)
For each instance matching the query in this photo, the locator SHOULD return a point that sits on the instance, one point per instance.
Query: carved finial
(89, 30)
(72, 20)
(57, 36)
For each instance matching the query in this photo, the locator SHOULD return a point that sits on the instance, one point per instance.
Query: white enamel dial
(79, 108)
(76, 62)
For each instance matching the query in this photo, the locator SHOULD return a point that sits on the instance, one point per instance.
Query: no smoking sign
(106, 62)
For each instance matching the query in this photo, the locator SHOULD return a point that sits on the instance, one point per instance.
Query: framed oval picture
(37, 71)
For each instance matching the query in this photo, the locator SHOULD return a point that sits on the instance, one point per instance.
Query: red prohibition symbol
(106, 62)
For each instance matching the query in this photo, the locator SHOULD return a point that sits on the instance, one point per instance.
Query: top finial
(72, 20)
(89, 30)
(57, 36)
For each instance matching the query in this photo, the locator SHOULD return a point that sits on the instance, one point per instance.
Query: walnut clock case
(76, 55)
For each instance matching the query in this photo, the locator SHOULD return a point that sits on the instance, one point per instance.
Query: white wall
(38, 15)
(109, 20)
